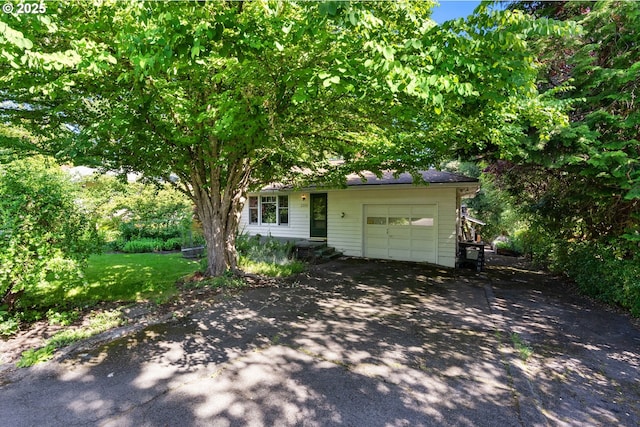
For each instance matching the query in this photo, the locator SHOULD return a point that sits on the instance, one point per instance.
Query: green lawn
(119, 277)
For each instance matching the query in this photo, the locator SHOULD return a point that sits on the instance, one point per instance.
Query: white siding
(346, 233)
(345, 211)
(447, 231)
(298, 227)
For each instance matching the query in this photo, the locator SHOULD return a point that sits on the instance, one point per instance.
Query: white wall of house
(298, 227)
(346, 216)
(346, 233)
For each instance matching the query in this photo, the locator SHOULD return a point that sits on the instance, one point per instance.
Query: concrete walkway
(354, 343)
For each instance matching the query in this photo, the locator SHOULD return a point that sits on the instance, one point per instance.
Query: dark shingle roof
(431, 176)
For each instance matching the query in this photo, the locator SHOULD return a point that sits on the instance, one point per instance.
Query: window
(269, 210)
(398, 221)
(422, 222)
(377, 220)
(253, 210)
(283, 209)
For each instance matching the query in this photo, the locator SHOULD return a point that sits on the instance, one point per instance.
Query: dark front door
(319, 215)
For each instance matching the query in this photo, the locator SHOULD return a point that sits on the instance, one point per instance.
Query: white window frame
(280, 205)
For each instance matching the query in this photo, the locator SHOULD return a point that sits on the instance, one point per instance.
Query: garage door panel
(422, 233)
(380, 210)
(428, 210)
(422, 256)
(401, 232)
(400, 254)
(398, 244)
(377, 231)
(379, 243)
(399, 210)
(421, 246)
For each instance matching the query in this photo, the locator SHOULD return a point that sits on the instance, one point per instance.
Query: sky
(451, 9)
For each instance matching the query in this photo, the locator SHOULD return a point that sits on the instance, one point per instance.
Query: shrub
(64, 318)
(44, 231)
(269, 249)
(244, 242)
(598, 272)
(172, 244)
(534, 243)
(270, 269)
(264, 256)
(142, 245)
(116, 245)
(8, 325)
(133, 210)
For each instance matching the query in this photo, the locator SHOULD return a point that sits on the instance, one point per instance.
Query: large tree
(233, 95)
(584, 183)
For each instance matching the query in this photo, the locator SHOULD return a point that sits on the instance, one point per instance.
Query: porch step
(327, 253)
(315, 251)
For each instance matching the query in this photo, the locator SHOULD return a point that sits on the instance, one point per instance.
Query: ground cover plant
(266, 256)
(117, 278)
(98, 323)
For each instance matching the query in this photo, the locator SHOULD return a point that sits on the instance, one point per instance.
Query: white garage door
(401, 232)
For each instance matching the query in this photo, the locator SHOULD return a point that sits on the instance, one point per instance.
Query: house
(385, 218)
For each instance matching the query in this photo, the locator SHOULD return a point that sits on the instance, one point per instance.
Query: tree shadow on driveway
(352, 342)
(585, 361)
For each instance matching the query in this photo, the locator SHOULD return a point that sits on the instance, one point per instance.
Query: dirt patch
(188, 300)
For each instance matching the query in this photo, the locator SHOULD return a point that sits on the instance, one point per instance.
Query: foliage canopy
(584, 183)
(233, 95)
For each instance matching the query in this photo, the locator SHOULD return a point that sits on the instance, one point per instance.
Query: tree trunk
(220, 227)
(219, 204)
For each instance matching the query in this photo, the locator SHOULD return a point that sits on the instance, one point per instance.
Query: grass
(122, 278)
(269, 269)
(98, 323)
(524, 351)
(117, 277)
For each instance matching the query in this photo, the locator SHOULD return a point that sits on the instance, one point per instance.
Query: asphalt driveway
(355, 343)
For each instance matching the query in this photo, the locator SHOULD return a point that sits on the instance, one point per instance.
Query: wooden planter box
(195, 252)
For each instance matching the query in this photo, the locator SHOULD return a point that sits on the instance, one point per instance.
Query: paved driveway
(355, 343)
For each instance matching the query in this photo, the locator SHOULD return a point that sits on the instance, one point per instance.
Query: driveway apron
(351, 343)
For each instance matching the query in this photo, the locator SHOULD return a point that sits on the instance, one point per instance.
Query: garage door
(401, 232)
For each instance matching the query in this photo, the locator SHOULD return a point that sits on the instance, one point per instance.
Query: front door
(318, 216)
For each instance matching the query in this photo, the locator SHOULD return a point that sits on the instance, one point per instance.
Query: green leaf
(331, 80)
(388, 53)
